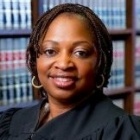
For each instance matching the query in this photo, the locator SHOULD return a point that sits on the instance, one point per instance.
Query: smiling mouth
(63, 81)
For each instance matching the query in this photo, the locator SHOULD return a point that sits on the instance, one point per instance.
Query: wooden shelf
(137, 89)
(138, 32)
(15, 33)
(120, 32)
(19, 105)
(114, 92)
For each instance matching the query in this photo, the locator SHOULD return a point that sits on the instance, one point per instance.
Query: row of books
(112, 13)
(137, 13)
(15, 14)
(117, 79)
(15, 79)
(137, 62)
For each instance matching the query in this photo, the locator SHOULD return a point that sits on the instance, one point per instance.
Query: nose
(64, 62)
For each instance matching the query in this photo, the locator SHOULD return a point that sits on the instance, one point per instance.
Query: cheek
(88, 72)
(42, 65)
(88, 69)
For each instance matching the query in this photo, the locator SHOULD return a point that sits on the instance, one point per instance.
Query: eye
(81, 53)
(50, 52)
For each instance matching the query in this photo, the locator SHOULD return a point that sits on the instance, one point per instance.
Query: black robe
(95, 119)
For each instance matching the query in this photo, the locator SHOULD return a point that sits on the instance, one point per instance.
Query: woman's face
(67, 66)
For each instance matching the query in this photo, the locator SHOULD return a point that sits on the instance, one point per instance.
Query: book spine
(137, 103)
(3, 73)
(122, 14)
(22, 14)
(121, 64)
(2, 14)
(137, 62)
(15, 14)
(117, 79)
(28, 13)
(15, 86)
(45, 5)
(137, 13)
(8, 14)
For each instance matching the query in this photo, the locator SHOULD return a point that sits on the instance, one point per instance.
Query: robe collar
(88, 117)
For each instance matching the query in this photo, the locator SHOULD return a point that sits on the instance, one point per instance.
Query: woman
(69, 56)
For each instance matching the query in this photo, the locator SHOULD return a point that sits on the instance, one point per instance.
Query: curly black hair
(103, 45)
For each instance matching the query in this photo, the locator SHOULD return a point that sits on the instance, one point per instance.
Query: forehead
(67, 27)
(70, 19)
(72, 16)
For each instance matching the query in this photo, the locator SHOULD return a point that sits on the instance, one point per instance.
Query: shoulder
(112, 122)
(122, 127)
(12, 125)
(5, 120)
(7, 115)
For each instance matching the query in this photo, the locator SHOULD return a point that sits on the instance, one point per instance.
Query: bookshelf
(123, 30)
(15, 29)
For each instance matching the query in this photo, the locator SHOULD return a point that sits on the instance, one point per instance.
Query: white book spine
(56, 2)
(28, 13)
(15, 14)
(22, 14)
(8, 14)
(51, 4)
(122, 14)
(137, 12)
(2, 14)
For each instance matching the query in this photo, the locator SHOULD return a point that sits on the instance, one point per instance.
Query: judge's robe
(95, 119)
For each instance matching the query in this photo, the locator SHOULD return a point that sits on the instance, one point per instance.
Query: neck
(57, 108)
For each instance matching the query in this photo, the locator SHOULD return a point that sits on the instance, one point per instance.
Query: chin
(68, 97)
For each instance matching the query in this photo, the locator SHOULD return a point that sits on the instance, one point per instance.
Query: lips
(63, 82)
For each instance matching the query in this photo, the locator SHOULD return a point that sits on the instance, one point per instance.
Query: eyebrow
(84, 42)
(75, 43)
(51, 41)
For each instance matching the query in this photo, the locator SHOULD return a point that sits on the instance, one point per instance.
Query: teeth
(63, 79)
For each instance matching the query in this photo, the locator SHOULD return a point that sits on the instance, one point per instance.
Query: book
(28, 14)
(15, 86)
(137, 62)
(8, 14)
(137, 103)
(15, 14)
(112, 13)
(137, 14)
(117, 79)
(2, 15)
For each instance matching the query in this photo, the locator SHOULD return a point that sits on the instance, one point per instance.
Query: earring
(38, 87)
(102, 82)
